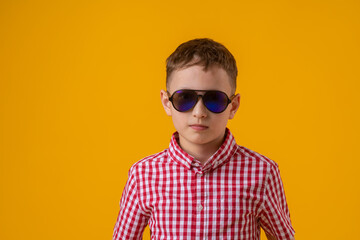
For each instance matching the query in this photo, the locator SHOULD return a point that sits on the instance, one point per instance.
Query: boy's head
(203, 52)
(200, 96)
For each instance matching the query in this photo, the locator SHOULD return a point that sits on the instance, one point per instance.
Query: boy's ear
(234, 106)
(165, 102)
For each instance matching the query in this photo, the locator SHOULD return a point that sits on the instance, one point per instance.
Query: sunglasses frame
(229, 100)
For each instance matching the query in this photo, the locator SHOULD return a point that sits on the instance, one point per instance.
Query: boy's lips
(198, 127)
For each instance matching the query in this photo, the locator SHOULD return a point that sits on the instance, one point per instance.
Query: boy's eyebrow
(195, 90)
(198, 90)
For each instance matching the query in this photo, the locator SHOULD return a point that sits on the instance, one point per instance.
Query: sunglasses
(215, 101)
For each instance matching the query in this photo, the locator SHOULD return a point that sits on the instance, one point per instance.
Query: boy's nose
(199, 110)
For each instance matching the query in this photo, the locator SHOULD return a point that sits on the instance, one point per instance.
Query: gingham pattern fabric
(231, 196)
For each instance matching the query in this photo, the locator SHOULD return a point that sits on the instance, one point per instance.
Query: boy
(204, 186)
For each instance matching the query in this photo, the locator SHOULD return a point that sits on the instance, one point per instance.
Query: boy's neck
(201, 152)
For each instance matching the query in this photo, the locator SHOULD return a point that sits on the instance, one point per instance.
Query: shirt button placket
(199, 205)
(206, 204)
(199, 191)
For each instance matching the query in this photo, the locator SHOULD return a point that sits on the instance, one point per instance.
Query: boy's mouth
(198, 127)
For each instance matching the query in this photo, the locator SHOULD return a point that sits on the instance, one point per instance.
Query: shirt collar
(221, 156)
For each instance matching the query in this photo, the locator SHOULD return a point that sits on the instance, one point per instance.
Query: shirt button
(200, 207)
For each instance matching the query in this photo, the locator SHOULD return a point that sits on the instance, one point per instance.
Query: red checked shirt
(231, 196)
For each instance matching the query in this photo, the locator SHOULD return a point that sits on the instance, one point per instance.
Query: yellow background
(80, 103)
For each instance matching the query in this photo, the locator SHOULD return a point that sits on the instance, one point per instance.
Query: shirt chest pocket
(176, 193)
(233, 211)
(171, 201)
(237, 202)
(170, 195)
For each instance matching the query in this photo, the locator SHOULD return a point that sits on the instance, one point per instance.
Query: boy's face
(199, 126)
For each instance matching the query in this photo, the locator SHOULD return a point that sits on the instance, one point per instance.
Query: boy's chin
(201, 138)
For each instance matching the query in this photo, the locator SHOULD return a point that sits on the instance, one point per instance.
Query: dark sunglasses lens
(184, 100)
(215, 101)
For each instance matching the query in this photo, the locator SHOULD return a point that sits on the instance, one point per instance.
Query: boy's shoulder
(151, 160)
(246, 154)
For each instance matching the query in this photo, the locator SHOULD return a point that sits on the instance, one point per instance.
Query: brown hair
(205, 52)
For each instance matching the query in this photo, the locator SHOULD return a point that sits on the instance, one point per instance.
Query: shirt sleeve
(131, 220)
(275, 216)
